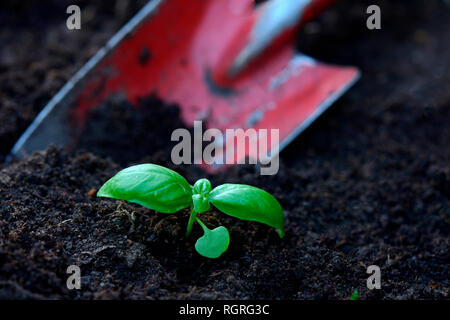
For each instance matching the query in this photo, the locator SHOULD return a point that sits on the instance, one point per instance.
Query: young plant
(355, 295)
(163, 190)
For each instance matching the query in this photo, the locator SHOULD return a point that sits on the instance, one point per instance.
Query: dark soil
(368, 183)
(152, 121)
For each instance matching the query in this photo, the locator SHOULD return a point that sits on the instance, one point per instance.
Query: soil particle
(144, 56)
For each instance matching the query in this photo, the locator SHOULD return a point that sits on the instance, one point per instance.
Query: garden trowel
(229, 63)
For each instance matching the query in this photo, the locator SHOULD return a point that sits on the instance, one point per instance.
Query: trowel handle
(271, 26)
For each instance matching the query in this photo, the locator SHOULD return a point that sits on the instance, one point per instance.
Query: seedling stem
(191, 221)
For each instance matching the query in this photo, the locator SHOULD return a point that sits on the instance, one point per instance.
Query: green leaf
(355, 295)
(202, 186)
(213, 243)
(201, 203)
(151, 186)
(248, 203)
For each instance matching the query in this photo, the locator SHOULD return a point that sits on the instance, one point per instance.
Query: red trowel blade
(171, 48)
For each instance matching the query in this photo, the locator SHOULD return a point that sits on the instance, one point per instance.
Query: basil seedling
(164, 190)
(355, 295)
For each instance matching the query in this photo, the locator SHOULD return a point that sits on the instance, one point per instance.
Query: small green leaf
(355, 295)
(202, 186)
(201, 203)
(213, 243)
(151, 186)
(248, 203)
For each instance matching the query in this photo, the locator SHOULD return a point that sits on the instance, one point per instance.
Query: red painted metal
(184, 42)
